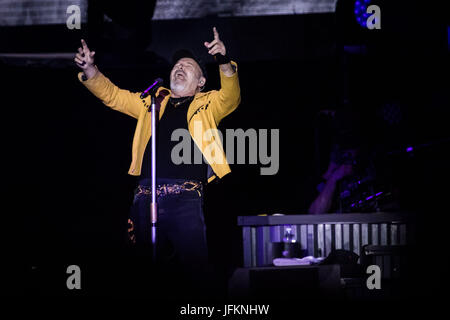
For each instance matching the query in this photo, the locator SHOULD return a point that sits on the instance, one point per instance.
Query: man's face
(186, 77)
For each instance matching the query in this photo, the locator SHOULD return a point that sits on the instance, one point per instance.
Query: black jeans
(181, 253)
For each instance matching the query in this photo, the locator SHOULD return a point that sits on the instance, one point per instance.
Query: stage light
(360, 12)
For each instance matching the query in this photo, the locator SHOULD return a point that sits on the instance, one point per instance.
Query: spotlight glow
(360, 12)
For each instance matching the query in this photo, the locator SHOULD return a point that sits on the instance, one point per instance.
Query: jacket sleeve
(112, 96)
(229, 95)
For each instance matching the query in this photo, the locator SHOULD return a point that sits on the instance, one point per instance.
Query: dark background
(67, 154)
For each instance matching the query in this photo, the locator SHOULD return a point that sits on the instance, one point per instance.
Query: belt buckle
(194, 185)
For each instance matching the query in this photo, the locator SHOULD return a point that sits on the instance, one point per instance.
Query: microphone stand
(154, 117)
(153, 205)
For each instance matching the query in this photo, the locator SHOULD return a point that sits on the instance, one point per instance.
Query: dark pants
(181, 248)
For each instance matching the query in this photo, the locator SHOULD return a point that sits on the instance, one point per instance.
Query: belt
(173, 188)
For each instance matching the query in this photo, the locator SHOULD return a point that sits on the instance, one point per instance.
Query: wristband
(221, 59)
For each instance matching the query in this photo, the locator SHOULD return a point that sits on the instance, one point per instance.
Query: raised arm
(118, 99)
(229, 94)
(85, 60)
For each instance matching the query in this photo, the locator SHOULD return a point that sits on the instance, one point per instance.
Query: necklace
(176, 104)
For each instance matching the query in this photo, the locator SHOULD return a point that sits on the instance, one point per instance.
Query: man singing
(181, 237)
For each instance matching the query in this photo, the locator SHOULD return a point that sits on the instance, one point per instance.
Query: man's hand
(217, 47)
(85, 60)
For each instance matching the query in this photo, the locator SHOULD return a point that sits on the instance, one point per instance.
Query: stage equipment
(154, 118)
(318, 235)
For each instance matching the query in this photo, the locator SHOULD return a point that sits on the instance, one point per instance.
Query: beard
(177, 85)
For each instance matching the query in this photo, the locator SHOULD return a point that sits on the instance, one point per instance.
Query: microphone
(158, 83)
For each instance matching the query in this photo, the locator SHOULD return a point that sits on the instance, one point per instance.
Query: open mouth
(180, 75)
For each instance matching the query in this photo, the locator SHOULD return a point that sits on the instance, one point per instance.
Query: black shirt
(174, 117)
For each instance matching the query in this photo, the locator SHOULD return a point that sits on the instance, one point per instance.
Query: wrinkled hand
(216, 46)
(84, 58)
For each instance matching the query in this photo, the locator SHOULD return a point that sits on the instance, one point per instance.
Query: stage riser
(319, 239)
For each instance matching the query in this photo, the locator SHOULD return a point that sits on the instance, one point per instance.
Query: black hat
(184, 53)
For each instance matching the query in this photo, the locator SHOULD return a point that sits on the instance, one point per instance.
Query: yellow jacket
(205, 112)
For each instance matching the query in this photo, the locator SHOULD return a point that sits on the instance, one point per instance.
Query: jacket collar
(192, 109)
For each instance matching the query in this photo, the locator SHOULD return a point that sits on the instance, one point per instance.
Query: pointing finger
(216, 34)
(85, 47)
